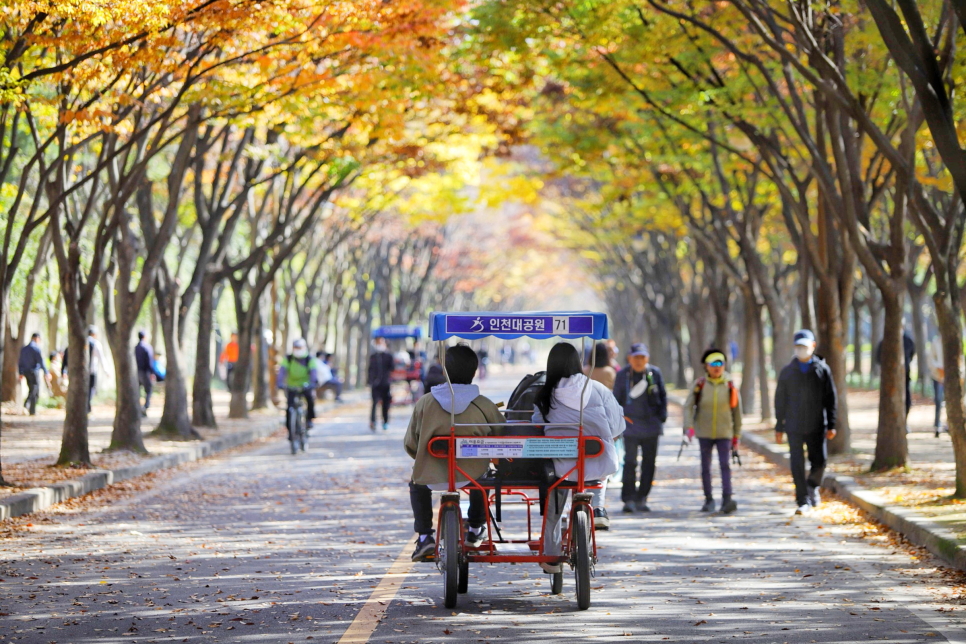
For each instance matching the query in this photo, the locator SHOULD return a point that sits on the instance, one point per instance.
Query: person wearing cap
(805, 409)
(144, 359)
(298, 375)
(639, 388)
(712, 412)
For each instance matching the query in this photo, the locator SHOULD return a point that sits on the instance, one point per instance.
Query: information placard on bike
(487, 324)
(516, 448)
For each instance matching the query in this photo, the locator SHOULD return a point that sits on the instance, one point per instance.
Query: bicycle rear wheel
(581, 555)
(449, 555)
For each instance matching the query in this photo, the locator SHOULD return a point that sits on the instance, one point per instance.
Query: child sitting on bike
(298, 375)
(431, 417)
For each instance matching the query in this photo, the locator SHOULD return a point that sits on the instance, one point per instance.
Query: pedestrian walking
(30, 365)
(329, 379)
(712, 412)
(381, 364)
(602, 371)
(639, 388)
(805, 409)
(938, 373)
(228, 357)
(96, 355)
(144, 359)
(559, 401)
(605, 374)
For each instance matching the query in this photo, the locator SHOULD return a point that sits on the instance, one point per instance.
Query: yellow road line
(374, 610)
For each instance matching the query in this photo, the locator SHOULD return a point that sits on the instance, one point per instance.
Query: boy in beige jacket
(431, 417)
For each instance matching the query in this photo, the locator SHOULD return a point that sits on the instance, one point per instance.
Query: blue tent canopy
(539, 325)
(398, 332)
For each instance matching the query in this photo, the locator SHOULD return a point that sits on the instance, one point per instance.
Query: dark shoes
(642, 507)
(425, 549)
(629, 508)
(708, 505)
(601, 520)
(728, 505)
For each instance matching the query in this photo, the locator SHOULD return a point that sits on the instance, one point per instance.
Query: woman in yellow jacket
(713, 412)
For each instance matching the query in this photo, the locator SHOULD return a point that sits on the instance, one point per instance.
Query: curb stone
(918, 529)
(40, 498)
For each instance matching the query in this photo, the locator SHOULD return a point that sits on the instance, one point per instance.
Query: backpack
(699, 386)
(536, 470)
(520, 406)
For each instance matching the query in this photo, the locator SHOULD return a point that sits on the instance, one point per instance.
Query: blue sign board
(542, 324)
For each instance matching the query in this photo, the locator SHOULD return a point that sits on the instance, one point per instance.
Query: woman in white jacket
(559, 401)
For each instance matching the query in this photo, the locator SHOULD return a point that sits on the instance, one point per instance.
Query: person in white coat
(559, 401)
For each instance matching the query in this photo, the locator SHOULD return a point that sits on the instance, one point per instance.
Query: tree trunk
(721, 300)
(127, 407)
(749, 344)
(241, 377)
(857, 339)
(766, 411)
(833, 352)
(919, 334)
(891, 448)
(3, 323)
(260, 365)
(74, 447)
(11, 357)
(175, 422)
(202, 410)
(681, 378)
(951, 331)
(875, 317)
(805, 299)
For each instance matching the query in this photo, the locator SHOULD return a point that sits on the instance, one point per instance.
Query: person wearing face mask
(805, 409)
(713, 413)
(298, 375)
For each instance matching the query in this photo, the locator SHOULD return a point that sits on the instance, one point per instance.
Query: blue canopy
(540, 325)
(398, 332)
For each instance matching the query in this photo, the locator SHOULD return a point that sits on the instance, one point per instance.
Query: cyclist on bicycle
(298, 375)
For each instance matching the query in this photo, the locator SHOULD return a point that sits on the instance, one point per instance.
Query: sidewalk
(30, 446)
(914, 501)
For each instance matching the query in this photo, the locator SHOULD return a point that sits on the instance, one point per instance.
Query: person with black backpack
(713, 413)
(565, 393)
(639, 387)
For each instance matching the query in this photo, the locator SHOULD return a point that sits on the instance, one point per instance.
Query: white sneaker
(803, 509)
(551, 568)
(474, 539)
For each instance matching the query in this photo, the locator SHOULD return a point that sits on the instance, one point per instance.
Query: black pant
(937, 392)
(291, 396)
(380, 394)
(144, 378)
(91, 390)
(817, 456)
(33, 391)
(421, 498)
(648, 448)
(908, 394)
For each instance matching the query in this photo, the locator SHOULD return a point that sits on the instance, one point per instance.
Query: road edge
(41, 498)
(918, 529)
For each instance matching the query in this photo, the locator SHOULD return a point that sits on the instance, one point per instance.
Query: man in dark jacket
(805, 408)
(144, 357)
(380, 369)
(29, 366)
(639, 388)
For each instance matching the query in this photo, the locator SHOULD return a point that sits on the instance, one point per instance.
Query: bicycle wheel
(303, 430)
(581, 556)
(449, 555)
(556, 583)
(293, 428)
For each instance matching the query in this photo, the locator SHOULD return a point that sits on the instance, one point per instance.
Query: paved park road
(267, 547)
